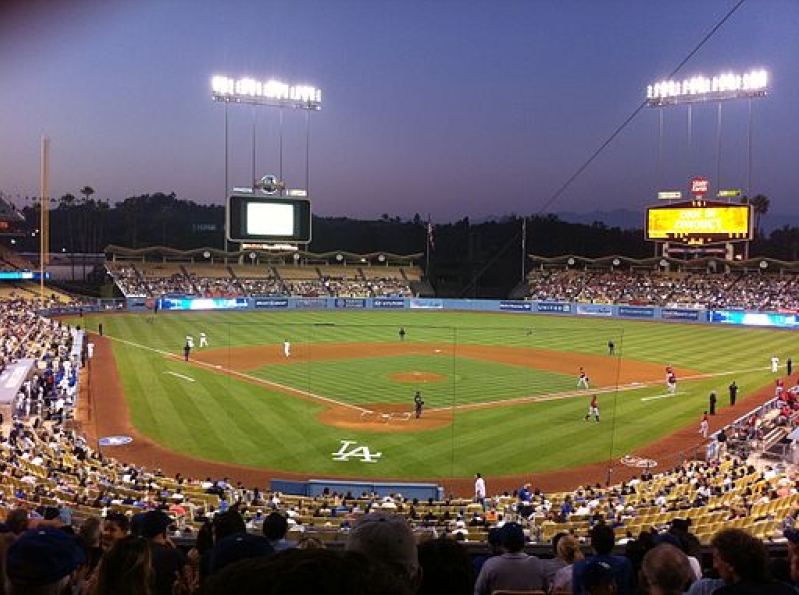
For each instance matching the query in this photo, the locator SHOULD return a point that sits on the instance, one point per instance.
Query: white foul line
(180, 376)
(252, 379)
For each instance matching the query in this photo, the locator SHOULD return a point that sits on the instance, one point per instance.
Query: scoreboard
(699, 222)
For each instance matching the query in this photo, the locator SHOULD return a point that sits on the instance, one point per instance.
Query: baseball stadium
(254, 397)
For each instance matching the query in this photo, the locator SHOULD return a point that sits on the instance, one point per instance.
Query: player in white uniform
(287, 348)
(775, 364)
(203, 340)
(190, 341)
(582, 381)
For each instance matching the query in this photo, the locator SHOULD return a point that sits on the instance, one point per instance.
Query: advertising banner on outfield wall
(553, 307)
(516, 306)
(310, 303)
(679, 314)
(594, 309)
(426, 304)
(388, 303)
(204, 303)
(633, 312)
(754, 318)
(350, 303)
(270, 302)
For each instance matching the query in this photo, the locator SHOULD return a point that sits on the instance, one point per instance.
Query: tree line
(456, 252)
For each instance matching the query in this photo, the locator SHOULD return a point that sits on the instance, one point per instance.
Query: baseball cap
(154, 522)
(596, 574)
(240, 546)
(791, 535)
(43, 556)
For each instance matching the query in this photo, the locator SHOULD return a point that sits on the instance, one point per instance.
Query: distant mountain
(625, 219)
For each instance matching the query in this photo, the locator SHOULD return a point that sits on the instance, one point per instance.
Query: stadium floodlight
(272, 93)
(699, 88)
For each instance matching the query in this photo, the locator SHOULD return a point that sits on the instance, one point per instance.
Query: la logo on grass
(345, 453)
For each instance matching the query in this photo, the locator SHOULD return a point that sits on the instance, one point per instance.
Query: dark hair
(512, 537)
(603, 538)
(275, 526)
(228, 523)
(446, 568)
(746, 554)
(126, 568)
(118, 518)
(17, 520)
(298, 571)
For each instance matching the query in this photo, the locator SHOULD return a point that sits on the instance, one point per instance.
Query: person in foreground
(513, 570)
(742, 563)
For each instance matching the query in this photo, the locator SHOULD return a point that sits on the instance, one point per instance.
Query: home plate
(436, 351)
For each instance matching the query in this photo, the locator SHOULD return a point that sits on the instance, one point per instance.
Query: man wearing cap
(513, 570)
(167, 559)
(388, 541)
(603, 539)
(43, 561)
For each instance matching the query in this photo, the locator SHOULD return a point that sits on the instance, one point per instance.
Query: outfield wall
(785, 319)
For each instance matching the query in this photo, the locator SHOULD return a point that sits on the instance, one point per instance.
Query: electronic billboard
(699, 222)
(260, 219)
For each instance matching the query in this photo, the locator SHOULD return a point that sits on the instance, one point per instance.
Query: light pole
(269, 93)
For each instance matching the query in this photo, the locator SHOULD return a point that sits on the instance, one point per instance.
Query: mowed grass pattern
(462, 381)
(226, 419)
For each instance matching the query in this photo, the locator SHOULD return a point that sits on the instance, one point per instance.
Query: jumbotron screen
(699, 222)
(268, 219)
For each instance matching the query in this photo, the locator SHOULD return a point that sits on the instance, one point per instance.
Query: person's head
(115, 526)
(309, 543)
(43, 562)
(666, 570)
(17, 520)
(228, 523)
(598, 578)
(447, 568)
(494, 539)
(569, 549)
(603, 538)
(275, 526)
(512, 537)
(556, 540)
(90, 530)
(387, 539)
(154, 524)
(738, 556)
(237, 547)
(315, 570)
(126, 567)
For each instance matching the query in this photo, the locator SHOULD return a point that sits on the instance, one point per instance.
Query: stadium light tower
(268, 93)
(749, 85)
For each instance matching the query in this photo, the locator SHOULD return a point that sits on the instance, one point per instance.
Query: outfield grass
(222, 418)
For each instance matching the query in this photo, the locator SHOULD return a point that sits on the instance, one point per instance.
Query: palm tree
(760, 204)
(87, 192)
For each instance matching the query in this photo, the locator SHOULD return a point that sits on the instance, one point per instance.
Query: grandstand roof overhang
(766, 265)
(211, 255)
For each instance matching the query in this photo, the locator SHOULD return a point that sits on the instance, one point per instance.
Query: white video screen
(270, 219)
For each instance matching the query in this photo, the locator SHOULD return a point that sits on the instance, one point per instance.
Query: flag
(431, 241)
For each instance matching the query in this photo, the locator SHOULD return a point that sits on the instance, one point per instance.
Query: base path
(103, 412)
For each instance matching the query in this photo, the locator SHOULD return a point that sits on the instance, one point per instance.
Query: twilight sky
(450, 108)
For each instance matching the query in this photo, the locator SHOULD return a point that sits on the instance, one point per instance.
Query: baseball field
(500, 390)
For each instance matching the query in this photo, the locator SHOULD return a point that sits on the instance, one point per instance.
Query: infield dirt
(103, 411)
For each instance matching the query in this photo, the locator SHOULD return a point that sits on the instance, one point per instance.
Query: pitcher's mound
(411, 377)
(384, 418)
